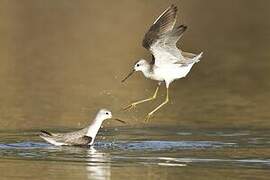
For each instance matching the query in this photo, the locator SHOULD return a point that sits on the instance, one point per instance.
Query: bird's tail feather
(198, 57)
(191, 58)
(45, 133)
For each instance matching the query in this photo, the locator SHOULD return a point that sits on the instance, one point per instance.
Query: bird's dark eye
(107, 113)
(137, 65)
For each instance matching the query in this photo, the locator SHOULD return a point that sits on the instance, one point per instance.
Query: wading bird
(168, 62)
(83, 137)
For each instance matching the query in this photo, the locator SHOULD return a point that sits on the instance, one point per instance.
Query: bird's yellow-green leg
(133, 105)
(157, 108)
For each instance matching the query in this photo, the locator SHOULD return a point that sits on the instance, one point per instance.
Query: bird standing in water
(83, 137)
(168, 62)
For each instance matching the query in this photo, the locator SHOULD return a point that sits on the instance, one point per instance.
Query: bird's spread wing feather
(164, 24)
(162, 37)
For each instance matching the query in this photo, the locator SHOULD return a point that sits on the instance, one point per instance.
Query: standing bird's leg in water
(157, 108)
(133, 105)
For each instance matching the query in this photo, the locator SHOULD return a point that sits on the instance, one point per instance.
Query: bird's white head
(104, 114)
(141, 65)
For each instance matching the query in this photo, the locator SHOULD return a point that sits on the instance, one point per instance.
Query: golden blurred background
(63, 60)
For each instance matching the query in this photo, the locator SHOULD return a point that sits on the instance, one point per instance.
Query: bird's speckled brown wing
(79, 141)
(73, 138)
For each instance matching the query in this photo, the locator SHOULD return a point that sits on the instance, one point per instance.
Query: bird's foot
(148, 117)
(129, 107)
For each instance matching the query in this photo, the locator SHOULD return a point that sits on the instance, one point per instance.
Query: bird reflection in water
(98, 165)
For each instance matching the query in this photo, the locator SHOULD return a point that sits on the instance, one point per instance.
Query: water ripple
(159, 148)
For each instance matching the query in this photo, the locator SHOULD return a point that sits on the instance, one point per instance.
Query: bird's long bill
(119, 120)
(128, 75)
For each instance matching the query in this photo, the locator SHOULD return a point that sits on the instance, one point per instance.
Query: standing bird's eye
(137, 65)
(107, 113)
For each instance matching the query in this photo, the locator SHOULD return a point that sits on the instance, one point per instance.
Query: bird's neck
(94, 127)
(147, 71)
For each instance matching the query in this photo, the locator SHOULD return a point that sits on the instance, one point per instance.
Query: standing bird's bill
(130, 74)
(119, 120)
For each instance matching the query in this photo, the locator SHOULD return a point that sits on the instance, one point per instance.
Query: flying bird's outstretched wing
(162, 37)
(163, 25)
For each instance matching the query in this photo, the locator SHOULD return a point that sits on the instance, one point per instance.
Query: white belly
(171, 72)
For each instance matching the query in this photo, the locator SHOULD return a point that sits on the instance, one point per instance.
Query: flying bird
(168, 62)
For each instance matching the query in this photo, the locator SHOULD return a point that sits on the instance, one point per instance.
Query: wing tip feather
(174, 7)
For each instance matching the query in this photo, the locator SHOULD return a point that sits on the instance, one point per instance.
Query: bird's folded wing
(80, 141)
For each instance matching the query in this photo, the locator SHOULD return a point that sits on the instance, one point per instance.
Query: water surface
(133, 153)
